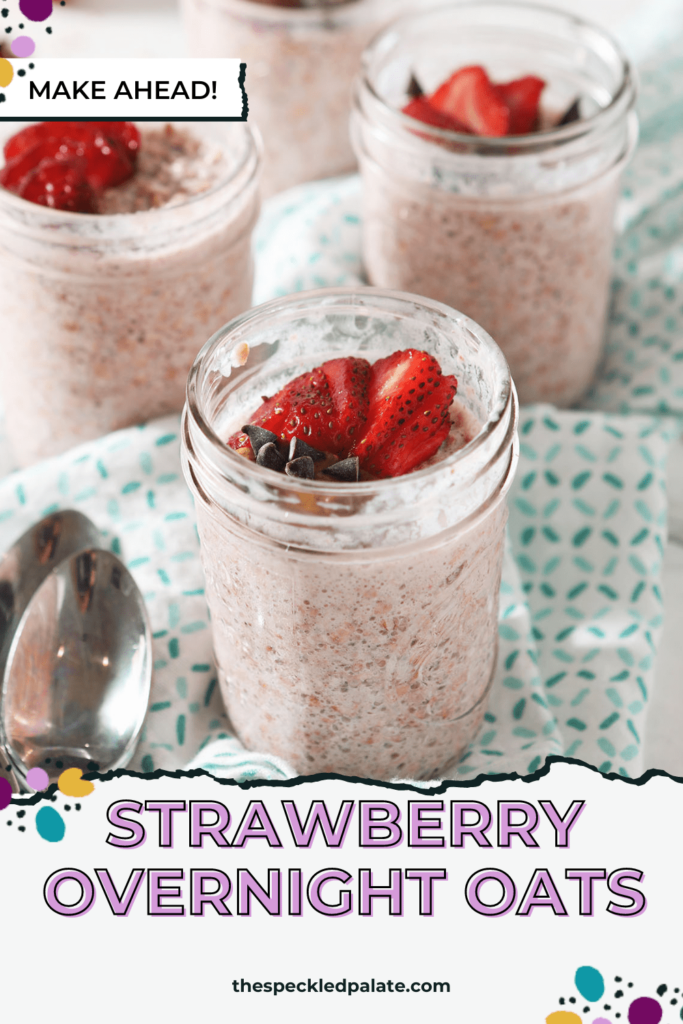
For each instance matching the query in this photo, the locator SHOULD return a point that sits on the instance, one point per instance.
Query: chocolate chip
(414, 89)
(298, 448)
(269, 456)
(302, 467)
(347, 470)
(573, 113)
(258, 437)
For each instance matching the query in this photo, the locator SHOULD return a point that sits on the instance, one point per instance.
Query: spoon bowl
(31, 559)
(78, 672)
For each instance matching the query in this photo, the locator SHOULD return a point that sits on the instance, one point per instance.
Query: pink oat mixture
(534, 272)
(345, 662)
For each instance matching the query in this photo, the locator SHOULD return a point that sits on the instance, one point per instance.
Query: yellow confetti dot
(6, 72)
(71, 783)
(563, 1017)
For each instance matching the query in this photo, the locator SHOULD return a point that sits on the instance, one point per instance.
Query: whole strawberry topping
(470, 102)
(97, 154)
(384, 419)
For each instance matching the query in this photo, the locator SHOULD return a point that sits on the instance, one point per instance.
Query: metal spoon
(31, 559)
(77, 679)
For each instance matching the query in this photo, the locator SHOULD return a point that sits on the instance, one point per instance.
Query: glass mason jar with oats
(354, 623)
(302, 57)
(517, 230)
(103, 313)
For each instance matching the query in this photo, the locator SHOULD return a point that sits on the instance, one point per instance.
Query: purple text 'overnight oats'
(354, 624)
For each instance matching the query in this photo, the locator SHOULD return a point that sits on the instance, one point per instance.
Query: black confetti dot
(59, 764)
(78, 807)
(618, 994)
(561, 1000)
(586, 1009)
(661, 989)
(47, 759)
(673, 1002)
(571, 999)
(49, 31)
(677, 990)
(67, 807)
(9, 822)
(617, 979)
(21, 72)
(617, 1015)
(22, 828)
(21, 814)
(2, 97)
(9, 29)
(54, 799)
(607, 1006)
(5, 12)
(21, 26)
(630, 984)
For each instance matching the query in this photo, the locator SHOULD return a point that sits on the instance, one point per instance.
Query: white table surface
(152, 28)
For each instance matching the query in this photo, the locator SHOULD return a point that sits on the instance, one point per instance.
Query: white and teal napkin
(581, 603)
(580, 611)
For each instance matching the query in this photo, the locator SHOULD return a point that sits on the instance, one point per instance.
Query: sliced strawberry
(61, 185)
(348, 380)
(107, 163)
(407, 413)
(521, 97)
(470, 98)
(304, 409)
(31, 136)
(123, 132)
(422, 110)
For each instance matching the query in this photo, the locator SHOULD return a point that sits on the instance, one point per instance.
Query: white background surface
(152, 28)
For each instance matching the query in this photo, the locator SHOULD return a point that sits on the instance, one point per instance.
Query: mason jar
(301, 63)
(515, 231)
(102, 316)
(354, 624)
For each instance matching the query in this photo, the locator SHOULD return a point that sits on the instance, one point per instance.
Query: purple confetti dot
(36, 10)
(645, 1011)
(23, 46)
(37, 778)
(5, 793)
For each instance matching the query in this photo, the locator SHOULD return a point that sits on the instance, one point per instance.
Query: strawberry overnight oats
(106, 301)
(517, 232)
(354, 623)
(302, 58)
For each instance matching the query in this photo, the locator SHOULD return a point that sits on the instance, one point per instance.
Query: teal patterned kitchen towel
(580, 610)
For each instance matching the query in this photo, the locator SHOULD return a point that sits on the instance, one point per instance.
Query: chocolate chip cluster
(298, 459)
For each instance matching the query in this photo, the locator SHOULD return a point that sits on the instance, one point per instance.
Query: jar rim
(272, 12)
(622, 100)
(143, 220)
(223, 457)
